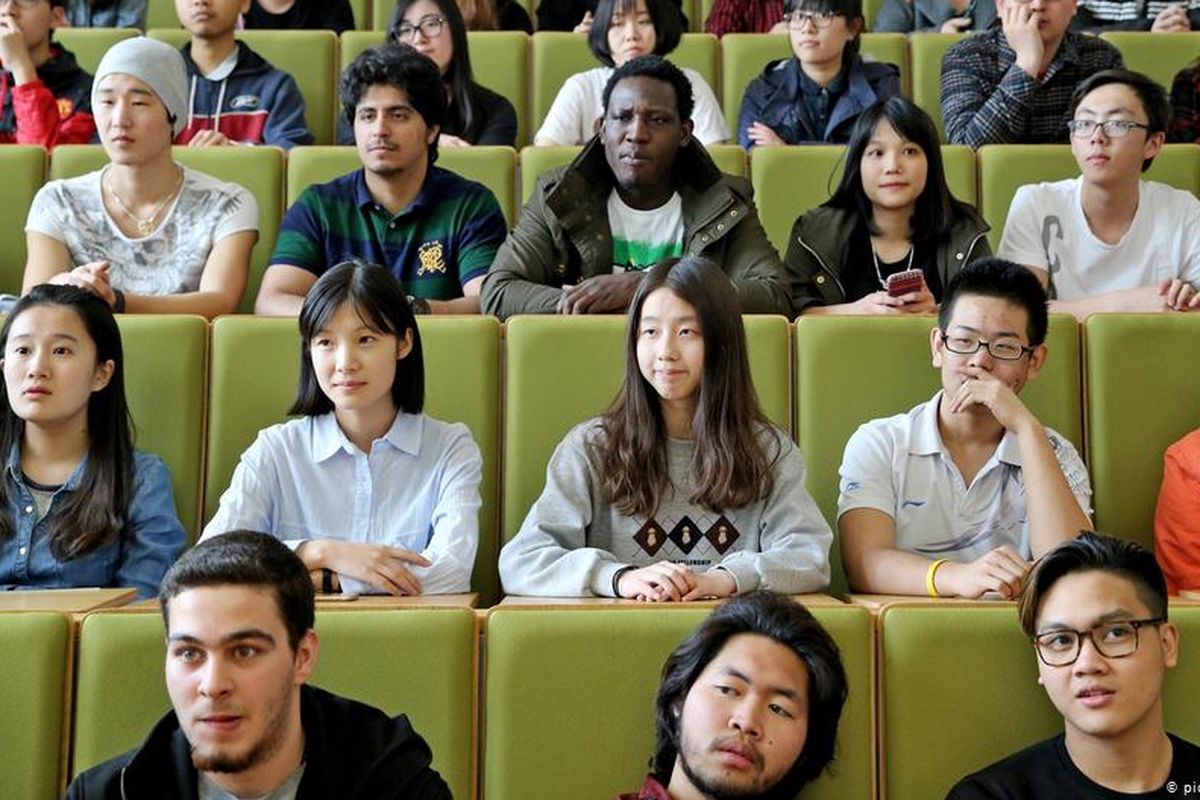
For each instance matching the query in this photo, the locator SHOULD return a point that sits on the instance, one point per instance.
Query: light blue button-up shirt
(150, 540)
(417, 489)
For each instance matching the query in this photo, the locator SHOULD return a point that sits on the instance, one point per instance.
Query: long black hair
(936, 210)
(667, 17)
(93, 514)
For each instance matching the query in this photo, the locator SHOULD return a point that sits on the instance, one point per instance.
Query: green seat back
(745, 55)
(258, 169)
(1004, 168)
(535, 160)
(557, 55)
(1157, 55)
(790, 180)
(561, 371)
(121, 691)
(308, 56)
(494, 167)
(161, 14)
(166, 359)
(90, 44)
(926, 51)
(935, 659)
(254, 372)
(33, 662)
(499, 61)
(850, 370)
(24, 170)
(604, 664)
(1126, 357)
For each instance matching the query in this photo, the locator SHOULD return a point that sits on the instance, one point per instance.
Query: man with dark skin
(642, 190)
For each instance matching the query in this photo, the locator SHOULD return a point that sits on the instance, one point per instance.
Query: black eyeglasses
(819, 19)
(429, 27)
(1005, 349)
(1119, 639)
(1113, 128)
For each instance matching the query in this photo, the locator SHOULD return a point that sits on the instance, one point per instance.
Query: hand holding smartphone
(906, 282)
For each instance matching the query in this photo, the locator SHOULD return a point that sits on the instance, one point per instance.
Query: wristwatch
(419, 304)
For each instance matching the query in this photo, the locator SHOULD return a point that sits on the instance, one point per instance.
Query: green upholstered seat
(258, 169)
(166, 370)
(562, 370)
(24, 170)
(1158, 55)
(161, 14)
(926, 51)
(1004, 168)
(90, 44)
(420, 663)
(959, 688)
(604, 666)
(850, 370)
(34, 662)
(254, 371)
(1142, 396)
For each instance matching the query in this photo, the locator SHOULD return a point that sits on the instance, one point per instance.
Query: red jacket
(1177, 519)
(52, 110)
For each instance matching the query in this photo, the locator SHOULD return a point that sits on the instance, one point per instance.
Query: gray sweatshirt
(573, 542)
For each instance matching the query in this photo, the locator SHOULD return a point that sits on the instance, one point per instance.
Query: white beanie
(156, 64)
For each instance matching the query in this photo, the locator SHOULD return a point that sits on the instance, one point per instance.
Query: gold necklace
(146, 226)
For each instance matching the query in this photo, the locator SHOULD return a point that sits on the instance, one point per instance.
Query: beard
(712, 786)
(266, 746)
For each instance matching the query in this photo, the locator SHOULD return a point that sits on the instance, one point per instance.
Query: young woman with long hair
(682, 489)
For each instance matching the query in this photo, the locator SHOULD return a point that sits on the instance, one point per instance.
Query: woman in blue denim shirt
(78, 505)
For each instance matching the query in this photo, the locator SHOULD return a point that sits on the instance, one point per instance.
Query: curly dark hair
(401, 66)
(657, 67)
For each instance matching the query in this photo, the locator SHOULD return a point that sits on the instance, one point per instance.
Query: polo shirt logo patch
(65, 108)
(244, 101)
(432, 258)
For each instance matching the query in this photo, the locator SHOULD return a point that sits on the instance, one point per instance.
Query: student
(475, 115)
(78, 505)
(745, 16)
(816, 95)
(106, 13)
(235, 96)
(892, 212)
(1108, 240)
(578, 15)
(436, 231)
(244, 722)
(934, 16)
(45, 93)
(333, 15)
(642, 190)
(622, 31)
(1156, 16)
(1096, 611)
(955, 497)
(682, 489)
(364, 486)
(1012, 83)
(748, 706)
(144, 233)
(1177, 516)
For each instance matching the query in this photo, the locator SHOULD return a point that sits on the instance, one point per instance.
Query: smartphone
(901, 283)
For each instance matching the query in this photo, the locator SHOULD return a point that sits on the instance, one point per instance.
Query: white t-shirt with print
(580, 101)
(168, 261)
(643, 238)
(1046, 228)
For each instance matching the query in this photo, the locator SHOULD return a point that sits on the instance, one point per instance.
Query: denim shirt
(150, 540)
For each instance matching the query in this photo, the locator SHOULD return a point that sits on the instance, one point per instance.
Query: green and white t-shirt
(643, 238)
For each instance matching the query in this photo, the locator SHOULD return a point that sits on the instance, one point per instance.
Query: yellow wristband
(930, 574)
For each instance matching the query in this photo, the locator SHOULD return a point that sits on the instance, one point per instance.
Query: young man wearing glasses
(1108, 240)
(955, 497)
(1096, 610)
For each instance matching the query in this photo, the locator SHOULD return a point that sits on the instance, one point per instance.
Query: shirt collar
(328, 438)
(927, 439)
(14, 469)
(429, 195)
(811, 87)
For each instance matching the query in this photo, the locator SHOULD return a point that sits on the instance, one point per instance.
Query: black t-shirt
(858, 276)
(1046, 772)
(334, 15)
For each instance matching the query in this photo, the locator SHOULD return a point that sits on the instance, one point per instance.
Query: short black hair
(246, 558)
(657, 67)
(1153, 98)
(1093, 551)
(996, 277)
(665, 14)
(850, 9)
(380, 301)
(401, 66)
(787, 623)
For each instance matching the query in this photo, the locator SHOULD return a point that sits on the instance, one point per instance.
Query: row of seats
(787, 181)
(564, 704)
(530, 70)
(1121, 389)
